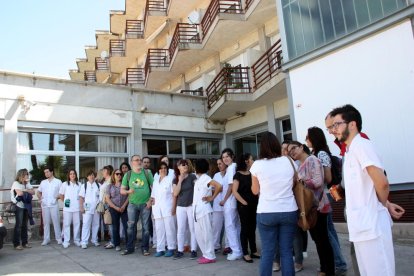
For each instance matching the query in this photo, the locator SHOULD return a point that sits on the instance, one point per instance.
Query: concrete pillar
(271, 122)
(264, 41)
(137, 109)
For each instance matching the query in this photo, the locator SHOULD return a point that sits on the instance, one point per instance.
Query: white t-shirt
(275, 178)
(362, 204)
(50, 191)
(71, 193)
(228, 180)
(18, 186)
(103, 191)
(201, 189)
(216, 203)
(91, 197)
(162, 192)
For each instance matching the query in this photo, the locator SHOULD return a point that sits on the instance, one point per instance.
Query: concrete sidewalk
(54, 259)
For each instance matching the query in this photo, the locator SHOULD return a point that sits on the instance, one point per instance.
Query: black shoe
(255, 256)
(247, 260)
(126, 252)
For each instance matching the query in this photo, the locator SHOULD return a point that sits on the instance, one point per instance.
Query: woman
(183, 188)
(311, 172)
(218, 214)
(272, 177)
(124, 168)
(162, 200)
(246, 206)
(118, 208)
(21, 188)
(69, 194)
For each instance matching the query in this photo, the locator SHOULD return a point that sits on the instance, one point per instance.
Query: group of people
(206, 204)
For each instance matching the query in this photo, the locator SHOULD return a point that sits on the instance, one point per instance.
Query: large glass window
(286, 128)
(99, 143)
(202, 147)
(46, 141)
(248, 144)
(310, 24)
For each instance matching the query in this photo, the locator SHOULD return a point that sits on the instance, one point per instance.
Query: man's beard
(344, 135)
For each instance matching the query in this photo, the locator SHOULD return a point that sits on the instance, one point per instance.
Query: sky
(45, 37)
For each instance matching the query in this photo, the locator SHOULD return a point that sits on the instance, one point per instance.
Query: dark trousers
(20, 228)
(116, 216)
(319, 234)
(248, 227)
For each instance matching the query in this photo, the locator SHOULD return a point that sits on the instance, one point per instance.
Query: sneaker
(276, 267)
(84, 246)
(154, 246)
(233, 257)
(59, 242)
(96, 244)
(126, 252)
(178, 255)
(118, 248)
(145, 252)
(27, 246)
(109, 246)
(227, 250)
(305, 254)
(298, 268)
(203, 260)
(19, 247)
(65, 245)
(169, 253)
(45, 243)
(159, 254)
(193, 255)
(77, 243)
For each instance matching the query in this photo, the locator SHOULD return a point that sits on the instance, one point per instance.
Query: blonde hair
(21, 176)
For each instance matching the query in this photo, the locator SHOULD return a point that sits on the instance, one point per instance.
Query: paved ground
(53, 259)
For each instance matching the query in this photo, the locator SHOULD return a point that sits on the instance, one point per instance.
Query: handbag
(11, 208)
(305, 199)
(107, 217)
(100, 208)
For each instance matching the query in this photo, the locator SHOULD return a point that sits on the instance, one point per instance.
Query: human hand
(222, 203)
(207, 198)
(396, 211)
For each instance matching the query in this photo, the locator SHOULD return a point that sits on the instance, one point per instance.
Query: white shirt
(362, 204)
(91, 197)
(50, 191)
(275, 178)
(18, 186)
(228, 180)
(201, 189)
(162, 192)
(103, 191)
(216, 204)
(71, 193)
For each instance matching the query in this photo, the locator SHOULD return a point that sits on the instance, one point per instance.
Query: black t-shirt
(185, 197)
(245, 188)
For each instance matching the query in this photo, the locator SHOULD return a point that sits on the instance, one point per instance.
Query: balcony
(135, 76)
(90, 76)
(157, 6)
(198, 92)
(268, 65)
(184, 34)
(101, 64)
(117, 47)
(134, 29)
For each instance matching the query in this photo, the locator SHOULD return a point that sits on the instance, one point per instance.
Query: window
(46, 141)
(163, 147)
(310, 24)
(248, 144)
(202, 147)
(286, 129)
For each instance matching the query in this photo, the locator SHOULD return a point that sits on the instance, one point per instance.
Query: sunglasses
(118, 173)
(183, 163)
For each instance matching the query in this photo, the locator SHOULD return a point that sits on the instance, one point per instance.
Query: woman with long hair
(69, 194)
(311, 173)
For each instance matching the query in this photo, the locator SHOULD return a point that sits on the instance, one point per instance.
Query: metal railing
(90, 76)
(268, 65)
(248, 4)
(117, 47)
(157, 5)
(197, 92)
(135, 76)
(101, 64)
(184, 33)
(156, 58)
(230, 80)
(216, 7)
(134, 28)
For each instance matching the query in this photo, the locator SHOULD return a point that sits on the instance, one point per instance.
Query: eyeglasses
(337, 124)
(118, 173)
(136, 160)
(292, 149)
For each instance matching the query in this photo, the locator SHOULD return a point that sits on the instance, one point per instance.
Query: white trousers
(218, 220)
(185, 224)
(68, 219)
(51, 215)
(376, 257)
(232, 228)
(204, 235)
(166, 232)
(90, 221)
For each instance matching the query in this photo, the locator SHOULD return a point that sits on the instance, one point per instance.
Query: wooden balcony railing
(101, 64)
(157, 5)
(184, 33)
(134, 29)
(157, 58)
(90, 76)
(229, 80)
(268, 65)
(117, 47)
(248, 4)
(198, 92)
(216, 7)
(135, 76)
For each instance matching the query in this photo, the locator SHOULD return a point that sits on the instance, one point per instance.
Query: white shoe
(118, 248)
(305, 254)
(45, 243)
(59, 242)
(96, 244)
(232, 257)
(77, 243)
(65, 245)
(84, 246)
(154, 246)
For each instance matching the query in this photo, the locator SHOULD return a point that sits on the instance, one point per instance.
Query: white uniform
(71, 213)
(218, 214)
(50, 208)
(91, 199)
(369, 223)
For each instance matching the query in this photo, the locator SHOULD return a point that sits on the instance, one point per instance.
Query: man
(137, 185)
(48, 195)
(146, 163)
(367, 189)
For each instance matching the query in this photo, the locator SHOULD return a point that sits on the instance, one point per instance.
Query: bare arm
(255, 185)
(236, 194)
(61, 197)
(381, 184)
(39, 195)
(227, 195)
(81, 201)
(217, 190)
(327, 174)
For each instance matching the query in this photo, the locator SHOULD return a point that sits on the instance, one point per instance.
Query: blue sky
(46, 36)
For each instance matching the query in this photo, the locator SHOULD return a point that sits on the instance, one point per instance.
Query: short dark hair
(318, 140)
(201, 166)
(50, 168)
(229, 152)
(91, 172)
(146, 157)
(286, 142)
(270, 146)
(109, 168)
(305, 147)
(162, 164)
(241, 161)
(125, 164)
(349, 113)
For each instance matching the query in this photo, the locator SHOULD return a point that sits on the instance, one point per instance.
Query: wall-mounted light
(143, 109)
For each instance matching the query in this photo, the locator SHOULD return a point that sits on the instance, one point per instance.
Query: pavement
(54, 259)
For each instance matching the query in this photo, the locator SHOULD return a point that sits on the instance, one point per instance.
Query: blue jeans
(340, 262)
(116, 240)
(134, 213)
(297, 247)
(277, 228)
(20, 228)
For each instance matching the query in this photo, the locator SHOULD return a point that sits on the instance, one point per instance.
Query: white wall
(376, 75)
